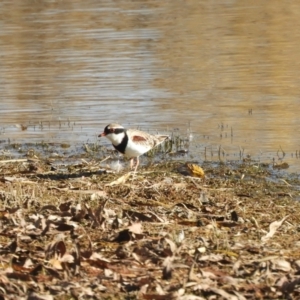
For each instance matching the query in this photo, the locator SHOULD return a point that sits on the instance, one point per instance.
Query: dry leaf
(168, 267)
(211, 257)
(224, 294)
(281, 264)
(190, 297)
(136, 228)
(196, 170)
(35, 296)
(56, 264)
(172, 245)
(273, 228)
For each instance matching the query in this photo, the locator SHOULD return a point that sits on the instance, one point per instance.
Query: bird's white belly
(134, 150)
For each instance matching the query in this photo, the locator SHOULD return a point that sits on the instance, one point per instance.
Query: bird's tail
(161, 138)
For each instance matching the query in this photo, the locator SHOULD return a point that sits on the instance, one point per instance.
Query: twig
(106, 158)
(13, 160)
(285, 182)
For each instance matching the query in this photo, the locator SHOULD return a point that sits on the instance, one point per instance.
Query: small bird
(131, 142)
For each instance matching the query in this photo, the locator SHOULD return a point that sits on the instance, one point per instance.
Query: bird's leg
(131, 164)
(137, 163)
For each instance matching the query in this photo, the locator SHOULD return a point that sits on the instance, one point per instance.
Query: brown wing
(141, 137)
(138, 138)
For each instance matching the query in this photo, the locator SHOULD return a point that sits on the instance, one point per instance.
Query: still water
(226, 71)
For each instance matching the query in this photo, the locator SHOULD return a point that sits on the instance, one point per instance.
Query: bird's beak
(102, 134)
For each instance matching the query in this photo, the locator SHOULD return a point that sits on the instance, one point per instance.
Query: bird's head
(114, 132)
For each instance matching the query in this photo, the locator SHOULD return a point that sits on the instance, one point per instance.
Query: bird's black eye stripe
(119, 130)
(108, 130)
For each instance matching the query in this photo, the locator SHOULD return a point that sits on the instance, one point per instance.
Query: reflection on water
(70, 68)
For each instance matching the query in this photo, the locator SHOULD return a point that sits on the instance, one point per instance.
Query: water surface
(227, 71)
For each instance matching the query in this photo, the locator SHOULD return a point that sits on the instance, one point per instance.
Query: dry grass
(82, 232)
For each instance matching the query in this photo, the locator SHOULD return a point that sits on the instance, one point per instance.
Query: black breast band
(122, 146)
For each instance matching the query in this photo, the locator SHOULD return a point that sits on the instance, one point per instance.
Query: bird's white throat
(116, 139)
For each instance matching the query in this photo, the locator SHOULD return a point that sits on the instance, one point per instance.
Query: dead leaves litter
(168, 237)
